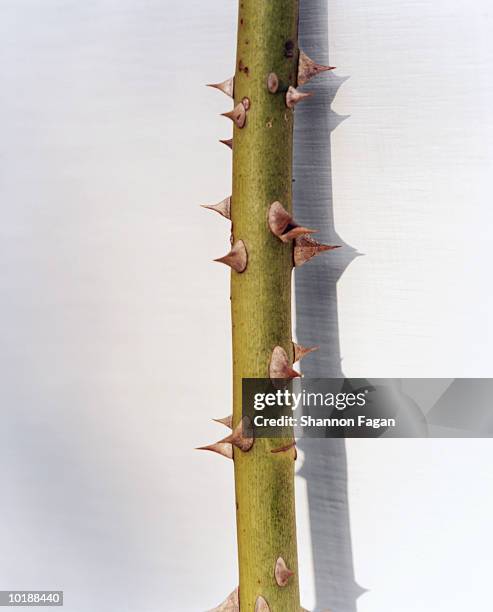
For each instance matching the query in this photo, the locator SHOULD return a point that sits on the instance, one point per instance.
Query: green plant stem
(261, 296)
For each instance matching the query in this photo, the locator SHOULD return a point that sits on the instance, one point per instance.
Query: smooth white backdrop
(115, 343)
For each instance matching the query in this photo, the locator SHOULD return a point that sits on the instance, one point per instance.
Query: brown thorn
(285, 448)
(293, 96)
(282, 573)
(302, 351)
(280, 366)
(272, 83)
(237, 115)
(228, 142)
(305, 248)
(238, 438)
(237, 258)
(307, 68)
(261, 605)
(278, 218)
(223, 207)
(230, 604)
(295, 232)
(222, 448)
(282, 224)
(226, 86)
(226, 421)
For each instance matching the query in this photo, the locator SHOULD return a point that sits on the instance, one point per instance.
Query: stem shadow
(325, 465)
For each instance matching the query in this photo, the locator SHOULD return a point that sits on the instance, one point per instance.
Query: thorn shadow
(325, 465)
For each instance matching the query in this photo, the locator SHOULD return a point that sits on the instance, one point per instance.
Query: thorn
(238, 438)
(302, 351)
(293, 96)
(228, 143)
(226, 86)
(305, 248)
(237, 258)
(230, 604)
(237, 115)
(282, 573)
(307, 68)
(295, 232)
(279, 366)
(261, 605)
(226, 421)
(222, 448)
(282, 224)
(223, 207)
(283, 449)
(272, 83)
(278, 218)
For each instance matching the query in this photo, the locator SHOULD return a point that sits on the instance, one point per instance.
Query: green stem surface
(261, 295)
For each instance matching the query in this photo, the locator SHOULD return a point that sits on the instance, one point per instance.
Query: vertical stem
(261, 295)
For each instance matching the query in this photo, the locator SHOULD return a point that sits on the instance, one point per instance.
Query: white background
(114, 329)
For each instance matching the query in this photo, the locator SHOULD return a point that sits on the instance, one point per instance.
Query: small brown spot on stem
(272, 82)
(242, 67)
(289, 48)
